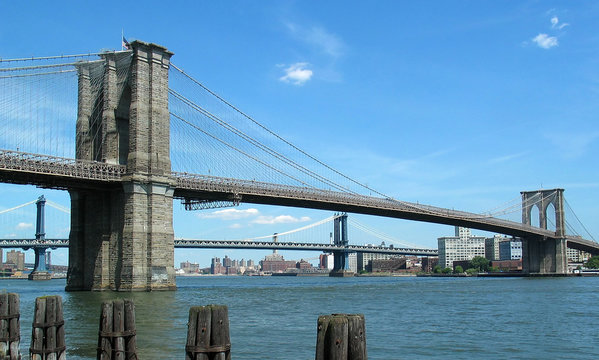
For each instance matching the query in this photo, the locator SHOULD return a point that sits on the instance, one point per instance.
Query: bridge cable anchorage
(258, 144)
(275, 134)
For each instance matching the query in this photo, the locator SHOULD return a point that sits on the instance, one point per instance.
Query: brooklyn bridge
(146, 133)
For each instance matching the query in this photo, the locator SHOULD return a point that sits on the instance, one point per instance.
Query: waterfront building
(190, 268)
(227, 262)
(463, 246)
(216, 267)
(276, 263)
(492, 246)
(387, 265)
(429, 263)
(17, 258)
(363, 259)
(577, 256)
(303, 264)
(327, 261)
(510, 250)
(353, 261)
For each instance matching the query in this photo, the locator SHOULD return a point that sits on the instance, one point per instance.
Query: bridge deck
(48, 171)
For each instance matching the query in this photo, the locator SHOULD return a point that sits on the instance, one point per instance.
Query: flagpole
(122, 37)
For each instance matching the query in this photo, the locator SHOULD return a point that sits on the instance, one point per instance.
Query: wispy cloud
(281, 219)
(506, 158)
(545, 41)
(556, 25)
(24, 226)
(297, 74)
(318, 37)
(230, 214)
(573, 145)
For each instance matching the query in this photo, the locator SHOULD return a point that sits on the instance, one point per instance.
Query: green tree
(479, 263)
(472, 271)
(446, 270)
(437, 269)
(494, 269)
(592, 263)
(458, 270)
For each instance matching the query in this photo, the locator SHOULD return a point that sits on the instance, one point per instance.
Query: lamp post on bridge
(40, 272)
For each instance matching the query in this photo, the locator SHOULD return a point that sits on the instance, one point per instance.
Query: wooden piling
(117, 336)
(10, 328)
(47, 335)
(341, 337)
(208, 333)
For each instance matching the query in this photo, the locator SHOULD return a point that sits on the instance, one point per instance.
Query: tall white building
(463, 246)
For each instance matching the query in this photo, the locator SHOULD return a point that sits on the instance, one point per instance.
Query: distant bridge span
(238, 244)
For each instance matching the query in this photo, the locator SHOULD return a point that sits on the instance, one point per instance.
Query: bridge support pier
(122, 238)
(341, 266)
(544, 256)
(39, 271)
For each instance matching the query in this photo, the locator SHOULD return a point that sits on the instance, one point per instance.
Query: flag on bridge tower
(125, 44)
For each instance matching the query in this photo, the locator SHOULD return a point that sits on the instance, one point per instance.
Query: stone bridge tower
(546, 255)
(122, 237)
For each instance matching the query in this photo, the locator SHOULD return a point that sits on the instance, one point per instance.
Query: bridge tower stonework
(544, 255)
(122, 237)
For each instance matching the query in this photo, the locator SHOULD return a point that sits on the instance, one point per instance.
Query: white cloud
(236, 226)
(545, 41)
(230, 214)
(24, 226)
(281, 219)
(297, 74)
(555, 22)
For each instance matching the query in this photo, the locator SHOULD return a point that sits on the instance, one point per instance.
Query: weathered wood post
(10, 328)
(341, 337)
(208, 333)
(47, 336)
(116, 339)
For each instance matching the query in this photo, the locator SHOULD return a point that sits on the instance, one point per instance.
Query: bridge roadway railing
(59, 166)
(208, 183)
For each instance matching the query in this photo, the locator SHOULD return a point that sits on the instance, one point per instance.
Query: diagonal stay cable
(240, 151)
(258, 144)
(275, 134)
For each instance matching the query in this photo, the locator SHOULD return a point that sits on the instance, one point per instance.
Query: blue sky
(455, 104)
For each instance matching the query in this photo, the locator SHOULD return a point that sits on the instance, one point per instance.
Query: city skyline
(444, 104)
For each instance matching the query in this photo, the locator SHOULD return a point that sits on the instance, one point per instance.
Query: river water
(406, 317)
